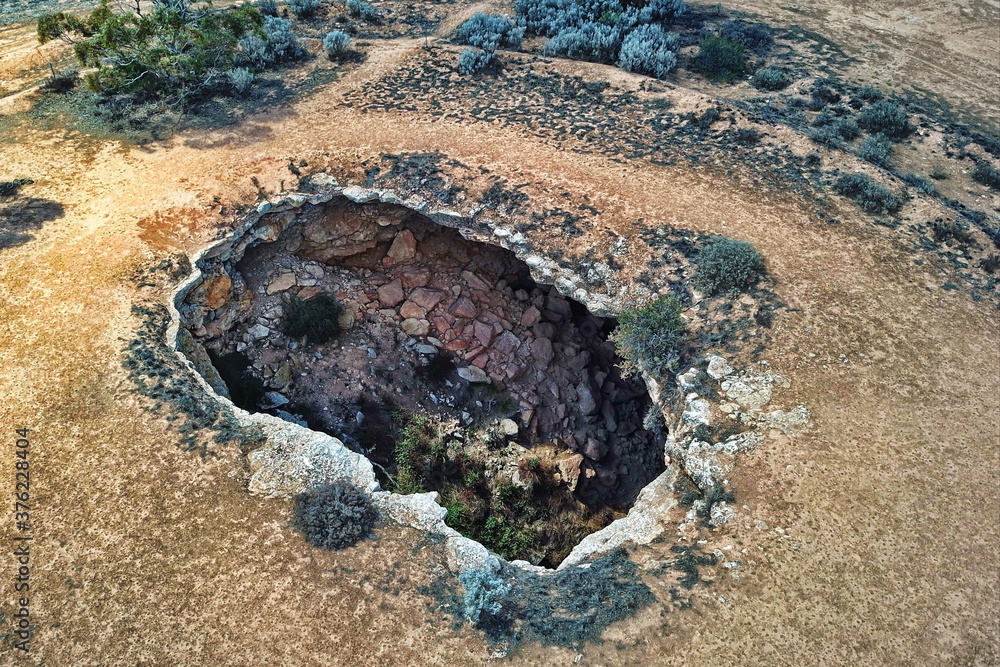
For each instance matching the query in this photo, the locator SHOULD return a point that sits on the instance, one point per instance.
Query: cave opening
(447, 366)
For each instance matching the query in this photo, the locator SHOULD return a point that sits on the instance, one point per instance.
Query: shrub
(489, 32)
(825, 136)
(595, 42)
(279, 44)
(304, 8)
(747, 136)
(334, 517)
(869, 94)
(335, 44)
(484, 594)
(649, 50)
(471, 61)
(847, 129)
(268, 7)
(62, 82)
(240, 79)
(885, 118)
(728, 265)
(756, 36)
(921, 184)
(986, 174)
(770, 79)
(938, 174)
(136, 53)
(872, 197)
(719, 59)
(666, 10)
(317, 318)
(851, 185)
(877, 150)
(364, 11)
(649, 338)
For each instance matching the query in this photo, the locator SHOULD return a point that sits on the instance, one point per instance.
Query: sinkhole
(441, 360)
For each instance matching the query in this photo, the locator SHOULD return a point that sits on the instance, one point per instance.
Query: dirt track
(144, 554)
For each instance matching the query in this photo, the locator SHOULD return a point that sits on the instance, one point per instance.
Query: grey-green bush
(885, 118)
(489, 32)
(728, 265)
(268, 7)
(650, 338)
(649, 50)
(335, 516)
(304, 8)
(484, 593)
(471, 61)
(364, 11)
(877, 150)
(770, 79)
(986, 174)
(873, 198)
(240, 79)
(279, 44)
(335, 44)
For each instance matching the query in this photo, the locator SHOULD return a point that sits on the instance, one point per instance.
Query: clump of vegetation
(649, 50)
(240, 79)
(62, 82)
(886, 118)
(986, 174)
(921, 184)
(489, 32)
(596, 30)
(334, 517)
(316, 318)
(938, 174)
(304, 8)
(649, 339)
(364, 11)
(755, 36)
(728, 265)
(770, 79)
(473, 61)
(596, 42)
(538, 520)
(720, 59)
(873, 198)
(485, 592)
(747, 136)
(277, 44)
(179, 49)
(869, 94)
(877, 150)
(336, 44)
(268, 7)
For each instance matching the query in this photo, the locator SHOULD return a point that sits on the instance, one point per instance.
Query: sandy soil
(880, 526)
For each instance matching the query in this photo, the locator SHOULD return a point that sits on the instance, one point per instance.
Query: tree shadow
(22, 216)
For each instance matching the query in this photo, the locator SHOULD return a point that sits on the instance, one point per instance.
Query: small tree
(178, 50)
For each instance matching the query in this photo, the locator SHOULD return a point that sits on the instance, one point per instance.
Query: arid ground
(871, 539)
